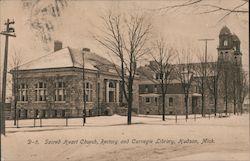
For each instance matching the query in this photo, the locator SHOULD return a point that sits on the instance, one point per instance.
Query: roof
(147, 82)
(225, 31)
(66, 57)
(150, 95)
(196, 95)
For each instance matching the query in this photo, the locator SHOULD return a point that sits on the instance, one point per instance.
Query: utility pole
(8, 32)
(204, 76)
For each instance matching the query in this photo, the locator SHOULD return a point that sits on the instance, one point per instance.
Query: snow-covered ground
(108, 138)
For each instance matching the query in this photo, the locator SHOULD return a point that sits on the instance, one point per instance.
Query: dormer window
(225, 43)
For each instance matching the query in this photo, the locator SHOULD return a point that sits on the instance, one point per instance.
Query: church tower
(229, 47)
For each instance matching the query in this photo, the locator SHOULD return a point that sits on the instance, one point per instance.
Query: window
(155, 88)
(147, 99)
(211, 100)
(156, 100)
(89, 92)
(40, 91)
(111, 85)
(159, 76)
(60, 92)
(225, 43)
(171, 101)
(196, 89)
(146, 88)
(23, 92)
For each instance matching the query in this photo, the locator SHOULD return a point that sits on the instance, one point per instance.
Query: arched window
(111, 85)
(225, 43)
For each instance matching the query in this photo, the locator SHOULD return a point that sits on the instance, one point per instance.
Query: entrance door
(111, 96)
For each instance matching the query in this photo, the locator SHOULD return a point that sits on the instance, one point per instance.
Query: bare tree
(239, 86)
(209, 7)
(162, 68)
(125, 38)
(201, 73)
(243, 89)
(184, 72)
(16, 62)
(235, 86)
(213, 77)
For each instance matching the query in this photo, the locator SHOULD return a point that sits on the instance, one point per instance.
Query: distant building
(229, 63)
(151, 97)
(52, 85)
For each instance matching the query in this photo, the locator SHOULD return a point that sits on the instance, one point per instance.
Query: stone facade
(58, 92)
(151, 100)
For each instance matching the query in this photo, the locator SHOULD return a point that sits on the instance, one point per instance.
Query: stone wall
(73, 105)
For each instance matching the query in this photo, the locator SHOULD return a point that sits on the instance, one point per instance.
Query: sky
(181, 27)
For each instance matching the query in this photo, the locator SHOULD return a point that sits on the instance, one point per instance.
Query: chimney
(86, 49)
(57, 45)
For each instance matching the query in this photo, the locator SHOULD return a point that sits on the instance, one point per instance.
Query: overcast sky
(80, 19)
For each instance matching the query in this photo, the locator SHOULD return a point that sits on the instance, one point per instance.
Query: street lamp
(84, 50)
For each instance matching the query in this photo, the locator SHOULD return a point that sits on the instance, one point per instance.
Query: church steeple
(229, 46)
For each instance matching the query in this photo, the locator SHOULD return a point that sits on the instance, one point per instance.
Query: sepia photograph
(124, 80)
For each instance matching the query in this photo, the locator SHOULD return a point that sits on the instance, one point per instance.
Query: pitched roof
(225, 31)
(66, 57)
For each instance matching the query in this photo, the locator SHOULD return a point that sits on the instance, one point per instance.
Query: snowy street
(108, 138)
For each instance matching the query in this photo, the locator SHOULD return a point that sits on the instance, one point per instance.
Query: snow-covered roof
(150, 95)
(147, 81)
(196, 95)
(66, 57)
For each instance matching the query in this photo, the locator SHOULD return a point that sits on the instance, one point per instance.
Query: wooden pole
(2, 115)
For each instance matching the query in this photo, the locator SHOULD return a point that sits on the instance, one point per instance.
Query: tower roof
(225, 31)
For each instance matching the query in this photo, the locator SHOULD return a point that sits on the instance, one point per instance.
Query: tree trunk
(163, 106)
(130, 101)
(15, 118)
(186, 104)
(234, 94)
(202, 105)
(215, 106)
(226, 92)
(234, 106)
(202, 98)
(129, 111)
